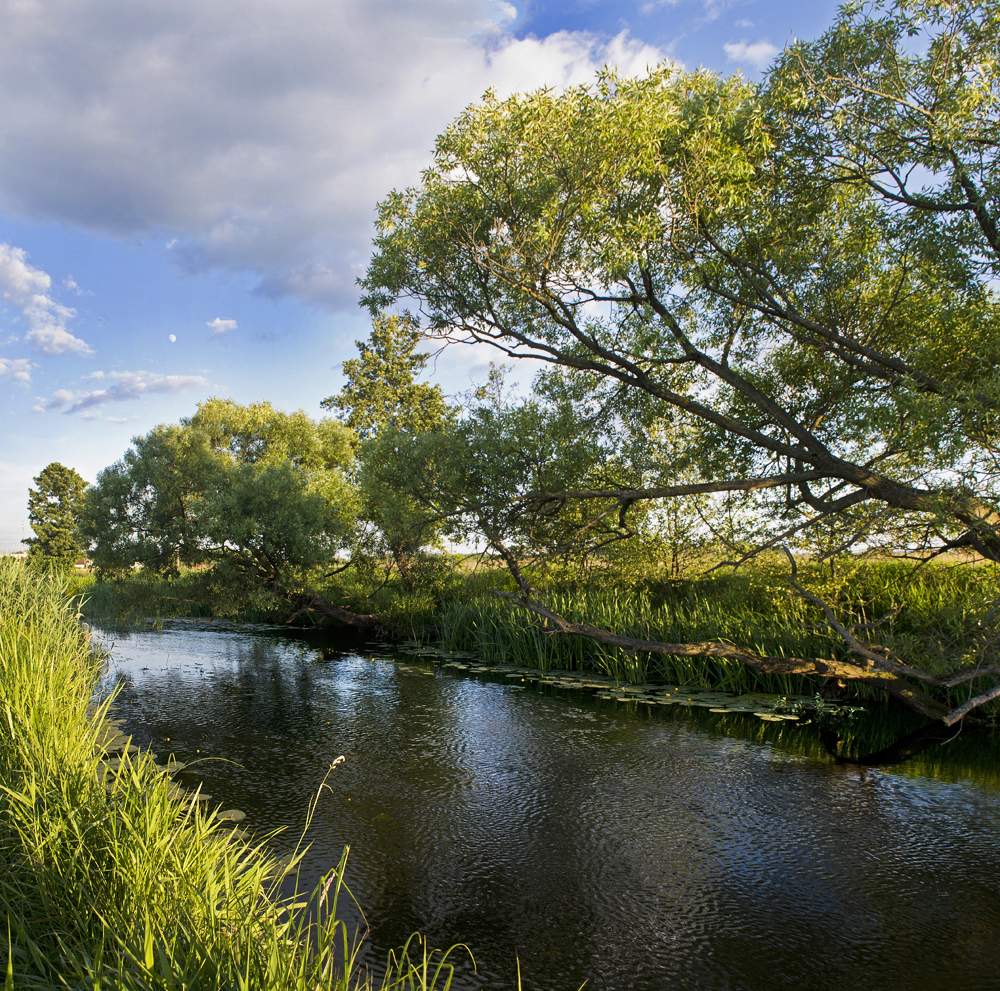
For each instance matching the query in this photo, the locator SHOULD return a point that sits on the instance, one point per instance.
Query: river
(631, 847)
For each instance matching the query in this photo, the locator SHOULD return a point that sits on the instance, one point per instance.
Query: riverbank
(112, 877)
(922, 616)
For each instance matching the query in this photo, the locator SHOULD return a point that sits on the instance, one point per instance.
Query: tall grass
(196, 594)
(935, 619)
(108, 879)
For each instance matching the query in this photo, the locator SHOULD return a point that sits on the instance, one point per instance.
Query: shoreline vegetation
(466, 630)
(463, 608)
(111, 877)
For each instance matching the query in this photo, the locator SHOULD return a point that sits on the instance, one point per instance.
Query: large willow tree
(260, 493)
(798, 276)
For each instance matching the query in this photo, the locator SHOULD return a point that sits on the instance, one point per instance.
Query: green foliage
(111, 879)
(280, 501)
(384, 403)
(382, 390)
(472, 473)
(935, 619)
(142, 597)
(734, 269)
(263, 493)
(54, 509)
(405, 526)
(142, 510)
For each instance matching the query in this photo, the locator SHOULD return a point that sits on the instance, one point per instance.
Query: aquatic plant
(934, 617)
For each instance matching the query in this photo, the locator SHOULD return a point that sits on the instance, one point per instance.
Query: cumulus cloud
(759, 54)
(116, 387)
(27, 289)
(18, 369)
(221, 325)
(251, 135)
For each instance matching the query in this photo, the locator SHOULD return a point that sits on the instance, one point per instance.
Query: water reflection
(640, 849)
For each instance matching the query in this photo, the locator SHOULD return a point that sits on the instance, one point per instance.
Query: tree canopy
(263, 492)
(381, 389)
(731, 255)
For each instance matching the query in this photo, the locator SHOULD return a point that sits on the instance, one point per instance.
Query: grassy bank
(933, 617)
(109, 878)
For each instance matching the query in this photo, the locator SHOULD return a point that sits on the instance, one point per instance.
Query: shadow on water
(879, 737)
(638, 847)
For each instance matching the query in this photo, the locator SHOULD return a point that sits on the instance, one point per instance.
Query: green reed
(935, 618)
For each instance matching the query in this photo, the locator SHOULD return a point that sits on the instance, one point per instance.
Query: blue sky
(187, 189)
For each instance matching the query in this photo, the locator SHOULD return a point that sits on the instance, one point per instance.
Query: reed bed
(109, 879)
(934, 618)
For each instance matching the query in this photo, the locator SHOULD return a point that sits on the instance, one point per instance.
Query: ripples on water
(638, 850)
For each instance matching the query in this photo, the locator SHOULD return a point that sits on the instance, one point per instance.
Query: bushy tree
(472, 474)
(280, 501)
(262, 492)
(143, 510)
(54, 506)
(381, 389)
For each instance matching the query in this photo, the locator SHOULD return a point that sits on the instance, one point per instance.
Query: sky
(187, 189)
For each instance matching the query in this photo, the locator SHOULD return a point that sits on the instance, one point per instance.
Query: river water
(631, 848)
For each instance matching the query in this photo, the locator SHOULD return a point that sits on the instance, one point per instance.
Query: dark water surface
(634, 849)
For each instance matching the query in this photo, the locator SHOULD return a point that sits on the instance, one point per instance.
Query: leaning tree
(799, 275)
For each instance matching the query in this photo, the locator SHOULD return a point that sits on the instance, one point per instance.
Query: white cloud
(18, 369)
(759, 54)
(74, 287)
(119, 387)
(251, 135)
(714, 9)
(26, 288)
(172, 338)
(221, 325)
(651, 6)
